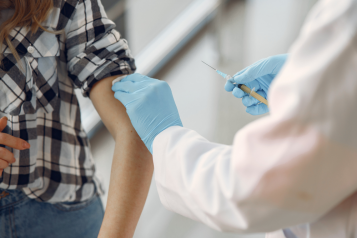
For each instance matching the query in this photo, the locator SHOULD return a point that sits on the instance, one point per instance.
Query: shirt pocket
(32, 84)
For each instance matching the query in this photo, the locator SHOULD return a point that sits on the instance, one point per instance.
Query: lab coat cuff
(158, 153)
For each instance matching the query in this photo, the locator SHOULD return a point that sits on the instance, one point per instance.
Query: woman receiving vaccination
(48, 185)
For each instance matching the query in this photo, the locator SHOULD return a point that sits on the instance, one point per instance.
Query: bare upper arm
(132, 165)
(112, 111)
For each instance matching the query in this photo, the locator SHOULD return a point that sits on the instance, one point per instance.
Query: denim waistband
(11, 197)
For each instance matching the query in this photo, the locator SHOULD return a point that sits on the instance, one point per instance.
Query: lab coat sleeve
(290, 167)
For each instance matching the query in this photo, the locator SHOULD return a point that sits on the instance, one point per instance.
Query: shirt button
(30, 49)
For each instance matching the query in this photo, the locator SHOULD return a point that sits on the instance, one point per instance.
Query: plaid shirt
(39, 99)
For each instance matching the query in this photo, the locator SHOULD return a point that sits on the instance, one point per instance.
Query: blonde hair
(28, 13)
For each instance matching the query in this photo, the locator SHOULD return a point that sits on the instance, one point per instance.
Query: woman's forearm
(132, 165)
(129, 184)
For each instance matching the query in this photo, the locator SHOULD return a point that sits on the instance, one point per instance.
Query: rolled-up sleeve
(94, 49)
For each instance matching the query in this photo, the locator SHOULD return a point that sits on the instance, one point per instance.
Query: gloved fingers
(262, 93)
(229, 86)
(251, 101)
(238, 93)
(243, 71)
(122, 86)
(271, 65)
(135, 78)
(126, 98)
(254, 85)
(251, 73)
(131, 87)
(265, 81)
(257, 109)
(134, 86)
(240, 72)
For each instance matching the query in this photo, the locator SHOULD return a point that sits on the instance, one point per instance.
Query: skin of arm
(132, 166)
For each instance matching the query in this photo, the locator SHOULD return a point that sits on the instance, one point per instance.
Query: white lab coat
(297, 165)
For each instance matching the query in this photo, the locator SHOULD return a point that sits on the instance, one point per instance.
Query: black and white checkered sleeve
(94, 48)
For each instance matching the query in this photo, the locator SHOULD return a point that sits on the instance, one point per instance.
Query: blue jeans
(22, 217)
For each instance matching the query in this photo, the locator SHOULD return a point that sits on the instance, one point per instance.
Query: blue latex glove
(259, 76)
(149, 104)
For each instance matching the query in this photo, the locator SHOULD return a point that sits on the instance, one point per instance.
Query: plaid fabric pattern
(38, 97)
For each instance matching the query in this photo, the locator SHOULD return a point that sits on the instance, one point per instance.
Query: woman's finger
(1, 170)
(9, 140)
(13, 142)
(7, 155)
(3, 123)
(3, 164)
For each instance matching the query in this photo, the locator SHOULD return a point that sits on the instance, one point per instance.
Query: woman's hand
(6, 157)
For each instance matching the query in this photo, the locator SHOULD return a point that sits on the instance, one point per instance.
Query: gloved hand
(258, 76)
(149, 104)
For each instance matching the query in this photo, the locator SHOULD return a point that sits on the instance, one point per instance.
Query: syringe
(244, 88)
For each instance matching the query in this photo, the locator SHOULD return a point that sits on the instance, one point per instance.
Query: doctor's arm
(132, 165)
(288, 168)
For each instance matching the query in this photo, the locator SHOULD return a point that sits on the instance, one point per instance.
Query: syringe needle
(208, 65)
(250, 92)
(225, 76)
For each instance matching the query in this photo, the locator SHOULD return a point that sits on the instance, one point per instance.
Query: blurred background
(169, 38)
